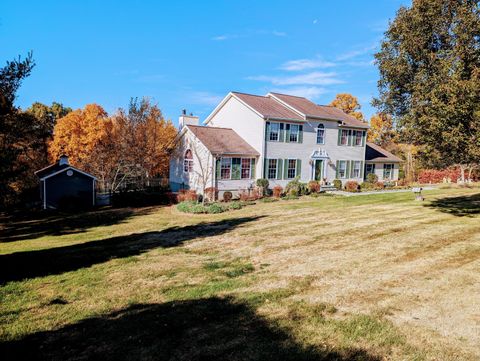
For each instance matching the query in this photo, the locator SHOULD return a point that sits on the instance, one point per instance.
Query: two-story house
(278, 137)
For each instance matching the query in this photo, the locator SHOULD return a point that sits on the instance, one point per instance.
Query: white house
(278, 137)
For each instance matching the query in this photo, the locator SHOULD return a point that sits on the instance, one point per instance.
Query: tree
(20, 134)
(349, 104)
(381, 130)
(429, 66)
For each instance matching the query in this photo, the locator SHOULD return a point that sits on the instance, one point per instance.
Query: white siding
(379, 171)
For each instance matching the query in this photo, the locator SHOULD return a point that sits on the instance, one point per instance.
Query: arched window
(188, 161)
(321, 134)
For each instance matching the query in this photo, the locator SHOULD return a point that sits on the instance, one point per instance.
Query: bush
(277, 191)
(313, 186)
(211, 193)
(198, 208)
(439, 175)
(372, 178)
(337, 183)
(215, 208)
(251, 195)
(268, 200)
(290, 196)
(227, 196)
(296, 186)
(366, 186)
(185, 206)
(187, 195)
(351, 186)
(263, 183)
(235, 205)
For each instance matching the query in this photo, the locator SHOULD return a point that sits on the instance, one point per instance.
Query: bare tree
(205, 167)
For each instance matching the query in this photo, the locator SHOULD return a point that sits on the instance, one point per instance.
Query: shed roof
(375, 153)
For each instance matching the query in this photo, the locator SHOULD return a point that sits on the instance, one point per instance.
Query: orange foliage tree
(381, 130)
(349, 104)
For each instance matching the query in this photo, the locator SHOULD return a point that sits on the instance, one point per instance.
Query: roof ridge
(253, 95)
(289, 95)
(206, 126)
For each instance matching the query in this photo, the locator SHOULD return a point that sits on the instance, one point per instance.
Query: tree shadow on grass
(194, 330)
(31, 225)
(31, 264)
(461, 206)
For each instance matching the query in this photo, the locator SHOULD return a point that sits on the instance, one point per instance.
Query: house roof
(375, 153)
(222, 140)
(268, 107)
(310, 109)
(52, 168)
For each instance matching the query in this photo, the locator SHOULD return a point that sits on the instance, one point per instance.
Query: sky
(190, 54)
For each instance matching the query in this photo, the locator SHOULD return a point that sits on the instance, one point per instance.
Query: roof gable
(268, 107)
(375, 153)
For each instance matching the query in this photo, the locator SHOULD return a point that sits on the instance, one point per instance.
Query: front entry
(318, 169)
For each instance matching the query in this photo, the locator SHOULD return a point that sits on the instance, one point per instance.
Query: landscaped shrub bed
(209, 208)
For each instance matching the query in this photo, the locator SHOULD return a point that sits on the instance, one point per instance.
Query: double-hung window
(225, 168)
(344, 137)
(342, 169)
(274, 135)
(370, 169)
(358, 135)
(321, 134)
(291, 168)
(188, 161)
(246, 168)
(294, 130)
(356, 169)
(387, 171)
(272, 169)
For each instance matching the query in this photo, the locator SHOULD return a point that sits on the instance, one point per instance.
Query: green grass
(328, 277)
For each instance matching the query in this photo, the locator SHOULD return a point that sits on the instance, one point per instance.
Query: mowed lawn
(369, 277)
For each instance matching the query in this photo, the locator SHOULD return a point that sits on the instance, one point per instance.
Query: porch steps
(328, 188)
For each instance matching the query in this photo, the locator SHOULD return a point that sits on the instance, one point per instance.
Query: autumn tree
(349, 104)
(429, 66)
(381, 130)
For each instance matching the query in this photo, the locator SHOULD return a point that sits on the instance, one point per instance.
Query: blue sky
(190, 54)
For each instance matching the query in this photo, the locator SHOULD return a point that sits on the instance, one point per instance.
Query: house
(278, 137)
(64, 186)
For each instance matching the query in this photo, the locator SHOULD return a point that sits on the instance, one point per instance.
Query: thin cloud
(356, 53)
(279, 33)
(303, 64)
(205, 98)
(223, 37)
(313, 78)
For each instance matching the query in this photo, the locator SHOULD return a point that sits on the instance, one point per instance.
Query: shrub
(243, 195)
(277, 191)
(198, 208)
(337, 183)
(313, 186)
(185, 206)
(366, 186)
(439, 175)
(378, 186)
(290, 196)
(262, 182)
(235, 205)
(227, 196)
(211, 193)
(351, 186)
(372, 178)
(187, 195)
(296, 186)
(215, 208)
(268, 200)
(251, 195)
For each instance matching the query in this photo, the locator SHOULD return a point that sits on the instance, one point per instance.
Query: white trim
(317, 128)
(296, 163)
(93, 193)
(67, 168)
(44, 195)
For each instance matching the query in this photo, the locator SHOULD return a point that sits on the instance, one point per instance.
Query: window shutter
(298, 171)
(338, 169)
(265, 168)
(252, 168)
(339, 137)
(349, 137)
(287, 133)
(217, 165)
(364, 133)
(285, 169)
(300, 134)
(347, 172)
(281, 135)
(267, 131)
(279, 168)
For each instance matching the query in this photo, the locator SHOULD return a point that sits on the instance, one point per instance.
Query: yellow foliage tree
(349, 104)
(381, 129)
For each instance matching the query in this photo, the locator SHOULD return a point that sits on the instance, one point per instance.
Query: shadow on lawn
(459, 206)
(31, 225)
(30, 264)
(205, 329)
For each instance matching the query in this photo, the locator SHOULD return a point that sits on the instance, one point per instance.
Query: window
(236, 168)
(358, 135)
(294, 130)
(342, 169)
(344, 137)
(272, 169)
(321, 134)
(246, 168)
(225, 168)
(387, 171)
(274, 135)
(188, 161)
(356, 169)
(291, 168)
(369, 169)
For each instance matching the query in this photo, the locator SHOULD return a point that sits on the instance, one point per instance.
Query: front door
(318, 169)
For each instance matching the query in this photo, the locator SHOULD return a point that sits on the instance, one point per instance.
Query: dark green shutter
(300, 134)
(217, 165)
(265, 168)
(267, 131)
(337, 174)
(364, 133)
(287, 133)
(285, 169)
(339, 136)
(281, 133)
(298, 171)
(252, 168)
(279, 168)
(349, 137)
(347, 171)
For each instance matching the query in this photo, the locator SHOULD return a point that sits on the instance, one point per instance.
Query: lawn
(369, 277)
